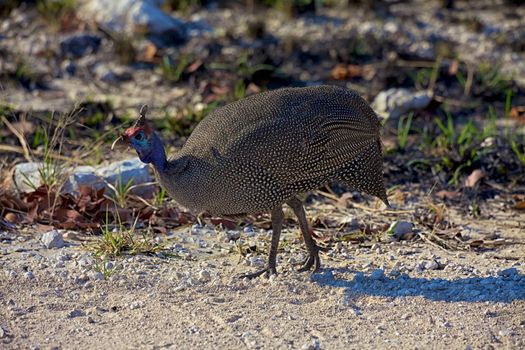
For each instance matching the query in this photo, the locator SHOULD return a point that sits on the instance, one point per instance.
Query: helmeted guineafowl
(258, 153)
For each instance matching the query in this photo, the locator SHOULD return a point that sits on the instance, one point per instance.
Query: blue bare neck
(157, 156)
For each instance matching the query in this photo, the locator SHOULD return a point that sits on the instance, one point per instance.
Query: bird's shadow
(504, 288)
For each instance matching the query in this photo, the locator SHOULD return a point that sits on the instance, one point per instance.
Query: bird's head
(141, 137)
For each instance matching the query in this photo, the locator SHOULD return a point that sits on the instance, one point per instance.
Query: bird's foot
(267, 271)
(312, 260)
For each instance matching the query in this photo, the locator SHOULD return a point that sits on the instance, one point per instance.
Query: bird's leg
(313, 249)
(277, 224)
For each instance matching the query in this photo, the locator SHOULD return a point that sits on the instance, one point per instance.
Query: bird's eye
(139, 136)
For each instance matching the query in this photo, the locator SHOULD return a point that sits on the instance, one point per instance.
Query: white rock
(127, 171)
(314, 344)
(82, 175)
(204, 276)
(431, 265)
(130, 16)
(395, 102)
(504, 332)
(420, 266)
(256, 261)
(136, 305)
(29, 275)
(27, 176)
(399, 229)
(52, 239)
(249, 231)
(85, 261)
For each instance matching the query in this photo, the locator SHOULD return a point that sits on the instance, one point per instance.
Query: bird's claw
(267, 271)
(312, 260)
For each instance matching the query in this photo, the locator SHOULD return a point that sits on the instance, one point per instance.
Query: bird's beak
(122, 139)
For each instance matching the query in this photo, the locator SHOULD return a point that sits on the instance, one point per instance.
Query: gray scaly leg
(313, 249)
(277, 224)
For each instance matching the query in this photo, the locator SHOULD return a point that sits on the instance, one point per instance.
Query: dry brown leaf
(226, 223)
(520, 205)
(41, 228)
(83, 211)
(253, 88)
(220, 90)
(11, 218)
(194, 66)
(32, 214)
(474, 178)
(320, 237)
(24, 127)
(8, 200)
(149, 53)
(453, 68)
(443, 194)
(339, 72)
(349, 71)
(343, 200)
(518, 113)
(398, 196)
(476, 243)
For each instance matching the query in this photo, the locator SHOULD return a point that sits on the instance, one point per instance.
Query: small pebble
(314, 344)
(52, 239)
(377, 274)
(204, 276)
(504, 332)
(135, 305)
(432, 265)
(76, 313)
(400, 230)
(97, 276)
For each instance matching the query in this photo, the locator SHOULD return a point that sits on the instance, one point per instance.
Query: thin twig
(363, 207)
(18, 149)
(25, 148)
(387, 211)
(470, 79)
(415, 64)
(428, 240)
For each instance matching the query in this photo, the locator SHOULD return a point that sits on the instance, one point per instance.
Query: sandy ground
(396, 295)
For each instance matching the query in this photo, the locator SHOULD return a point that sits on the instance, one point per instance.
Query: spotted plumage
(255, 154)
